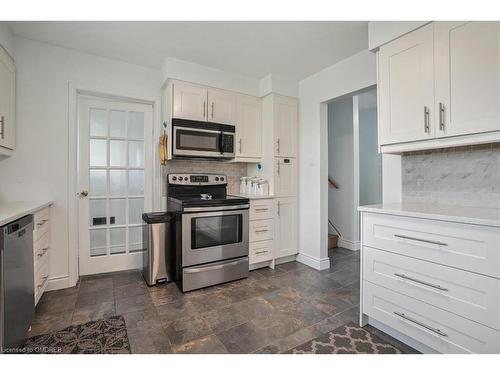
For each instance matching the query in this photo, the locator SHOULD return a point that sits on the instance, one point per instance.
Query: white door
(285, 172)
(406, 88)
(222, 106)
(249, 127)
(114, 183)
(285, 126)
(286, 227)
(467, 68)
(7, 100)
(190, 101)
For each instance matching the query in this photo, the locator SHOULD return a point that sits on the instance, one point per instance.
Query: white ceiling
(288, 49)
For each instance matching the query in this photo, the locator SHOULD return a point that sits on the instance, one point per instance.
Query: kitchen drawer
(41, 220)
(41, 248)
(470, 247)
(467, 294)
(41, 278)
(436, 328)
(261, 230)
(261, 209)
(261, 251)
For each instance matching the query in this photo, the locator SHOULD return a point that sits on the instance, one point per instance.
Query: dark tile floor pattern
(271, 311)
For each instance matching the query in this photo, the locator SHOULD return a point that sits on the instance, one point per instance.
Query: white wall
(278, 85)
(6, 39)
(38, 169)
(341, 167)
(381, 32)
(350, 75)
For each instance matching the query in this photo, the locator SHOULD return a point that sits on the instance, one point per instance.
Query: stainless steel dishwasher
(17, 303)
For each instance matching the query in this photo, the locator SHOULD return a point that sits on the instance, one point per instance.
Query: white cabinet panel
(467, 67)
(406, 88)
(7, 101)
(261, 209)
(285, 126)
(261, 230)
(285, 177)
(189, 101)
(221, 106)
(286, 227)
(249, 127)
(261, 251)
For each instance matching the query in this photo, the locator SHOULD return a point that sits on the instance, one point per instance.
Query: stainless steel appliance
(197, 139)
(211, 230)
(16, 282)
(159, 254)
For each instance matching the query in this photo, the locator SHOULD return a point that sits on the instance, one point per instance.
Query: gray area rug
(347, 339)
(104, 336)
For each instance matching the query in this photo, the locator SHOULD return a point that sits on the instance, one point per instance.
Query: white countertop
(469, 215)
(11, 211)
(252, 197)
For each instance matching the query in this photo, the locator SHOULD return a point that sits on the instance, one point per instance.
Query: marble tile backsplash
(234, 171)
(463, 176)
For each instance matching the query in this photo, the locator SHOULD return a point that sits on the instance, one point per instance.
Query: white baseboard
(316, 263)
(59, 283)
(287, 259)
(349, 245)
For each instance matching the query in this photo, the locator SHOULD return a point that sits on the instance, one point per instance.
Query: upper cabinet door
(221, 106)
(7, 101)
(285, 126)
(249, 127)
(467, 67)
(190, 101)
(406, 88)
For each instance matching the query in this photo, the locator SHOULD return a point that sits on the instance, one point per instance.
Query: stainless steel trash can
(158, 258)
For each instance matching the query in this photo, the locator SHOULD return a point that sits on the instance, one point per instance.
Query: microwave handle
(221, 142)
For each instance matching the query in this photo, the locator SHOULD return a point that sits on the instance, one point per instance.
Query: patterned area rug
(104, 336)
(348, 339)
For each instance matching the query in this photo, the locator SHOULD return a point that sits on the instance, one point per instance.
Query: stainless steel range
(211, 230)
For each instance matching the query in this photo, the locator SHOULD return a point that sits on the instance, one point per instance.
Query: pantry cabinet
(248, 128)
(285, 126)
(285, 243)
(285, 177)
(439, 86)
(7, 103)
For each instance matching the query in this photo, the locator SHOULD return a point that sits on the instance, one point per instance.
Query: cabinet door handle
(279, 207)
(278, 145)
(240, 144)
(435, 286)
(426, 119)
(279, 168)
(2, 126)
(441, 116)
(413, 320)
(420, 239)
(213, 105)
(204, 110)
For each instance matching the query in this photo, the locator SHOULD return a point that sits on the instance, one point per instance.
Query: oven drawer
(470, 247)
(467, 294)
(261, 230)
(261, 209)
(214, 273)
(261, 251)
(436, 328)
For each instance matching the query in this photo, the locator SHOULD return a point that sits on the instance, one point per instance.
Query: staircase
(332, 241)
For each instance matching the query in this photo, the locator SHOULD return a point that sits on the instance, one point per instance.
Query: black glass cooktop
(207, 200)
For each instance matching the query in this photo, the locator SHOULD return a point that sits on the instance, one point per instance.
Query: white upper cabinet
(285, 126)
(248, 128)
(221, 106)
(7, 103)
(285, 227)
(467, 67)
(189, 101)
(406, 88)
(285, 177)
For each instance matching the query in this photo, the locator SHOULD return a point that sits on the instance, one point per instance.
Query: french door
(114, 183)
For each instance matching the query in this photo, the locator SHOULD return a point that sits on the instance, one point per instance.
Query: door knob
(84, 193)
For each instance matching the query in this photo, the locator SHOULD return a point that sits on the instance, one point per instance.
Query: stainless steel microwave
(197, 139)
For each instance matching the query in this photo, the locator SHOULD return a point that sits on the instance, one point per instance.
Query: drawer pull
(261, 252)
(38, 225)
(435, 286)
(262, 230)
(42, 252)
(406, 317)
(44, 279)
(261, 209)
(420, 239)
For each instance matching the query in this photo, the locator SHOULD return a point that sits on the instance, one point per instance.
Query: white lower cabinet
(261, 231)
(286, 227)
(41, 251)
(434, 281)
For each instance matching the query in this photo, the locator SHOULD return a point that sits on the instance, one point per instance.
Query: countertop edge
(430, 215)
(25, 210)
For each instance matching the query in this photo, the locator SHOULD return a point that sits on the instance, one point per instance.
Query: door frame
(74, 92)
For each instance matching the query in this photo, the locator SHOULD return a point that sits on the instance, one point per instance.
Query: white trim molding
(350, 245)
(60, 282)
(316, 263)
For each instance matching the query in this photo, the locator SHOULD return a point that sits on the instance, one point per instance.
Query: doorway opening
(354, 165)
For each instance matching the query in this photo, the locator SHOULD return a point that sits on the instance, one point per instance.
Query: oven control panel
(196, 179)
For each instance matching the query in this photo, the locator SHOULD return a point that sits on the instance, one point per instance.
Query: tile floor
(269, 312)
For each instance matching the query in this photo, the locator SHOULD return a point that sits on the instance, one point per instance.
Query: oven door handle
(215, 267)
(217, 208)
